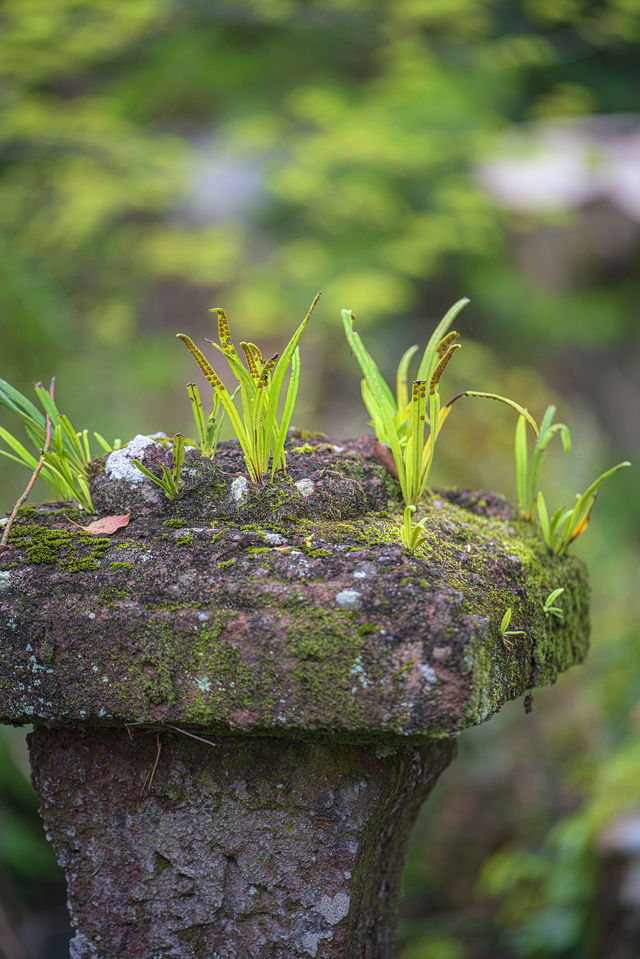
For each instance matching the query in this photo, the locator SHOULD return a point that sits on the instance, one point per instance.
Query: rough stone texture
(289, 609)
(273, 850)
(327, 667)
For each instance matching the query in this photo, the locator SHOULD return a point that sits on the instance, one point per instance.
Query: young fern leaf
(253, 356)
(504, 631)
(400, 424)
(224, 334)
(169, 482)
(547, 431)
(220, 389)
(411, 534)
(441, 366)
(260, 435)
(579, 518)
(549, 608)
(568, 524)
(430, 355)
(445, 342)
(502, 399)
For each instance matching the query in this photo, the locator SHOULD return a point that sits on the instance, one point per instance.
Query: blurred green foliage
(361, 119)
(158, 157)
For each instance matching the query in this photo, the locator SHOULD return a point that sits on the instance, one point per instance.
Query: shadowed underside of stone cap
(290, 609)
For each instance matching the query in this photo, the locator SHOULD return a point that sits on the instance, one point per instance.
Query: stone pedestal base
(244, 848)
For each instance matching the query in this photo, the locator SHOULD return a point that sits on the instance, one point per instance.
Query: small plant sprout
(527, 475)
(400, 421)
(170, 479)
(65, 461)
(260, 434)
(4, 540)
(207, 430)
(567, 524)
(504, 628)
(412, 533)
(549, 608)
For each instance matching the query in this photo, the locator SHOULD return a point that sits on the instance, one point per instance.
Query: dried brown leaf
(105, 526)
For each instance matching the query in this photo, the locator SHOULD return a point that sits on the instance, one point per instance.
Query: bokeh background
(160, 157)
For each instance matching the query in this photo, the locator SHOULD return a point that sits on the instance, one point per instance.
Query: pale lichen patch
(334, 908)
(240, 488)
(119, 464)
(305, 487)
(348, 597)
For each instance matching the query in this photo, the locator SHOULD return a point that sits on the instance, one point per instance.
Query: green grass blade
(26, 457)
(61, 465)
(434, 418)
(557, 523)
(385, 411)
(198, 415)
(589, 492)
(102, 442)
(44, 475)
(82, 493)
(372, 409)
(162, 482)
(17, 403)
(547, 419)
(415, 444)
(521, 465)
(364, 358)
(85, 445)
(402, 381)
(543, 518)
(287, 413)
(538, 456)
(37, 435)
(281, 368)
(585, 502)
(177, 455)
(74, 443)
(49, 405)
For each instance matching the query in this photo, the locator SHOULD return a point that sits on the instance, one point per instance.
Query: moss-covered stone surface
(290, 609)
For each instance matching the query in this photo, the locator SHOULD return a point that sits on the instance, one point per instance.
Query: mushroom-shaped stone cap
(290, 609)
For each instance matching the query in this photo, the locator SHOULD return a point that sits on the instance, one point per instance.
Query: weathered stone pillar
(248, 847)
(241, 699)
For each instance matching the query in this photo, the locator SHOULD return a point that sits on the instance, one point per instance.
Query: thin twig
(177, 729)
(148, 782)
(193, 736)
(155, 765)
(5, 536)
